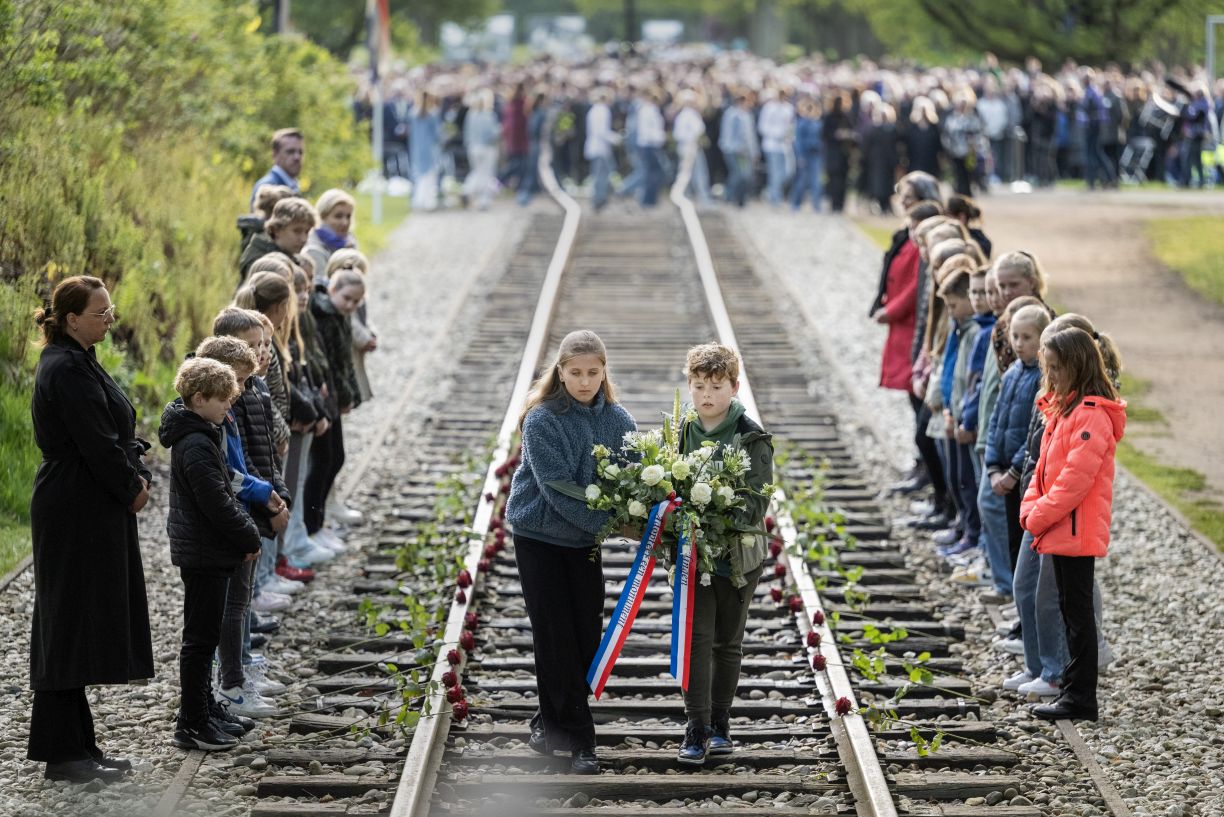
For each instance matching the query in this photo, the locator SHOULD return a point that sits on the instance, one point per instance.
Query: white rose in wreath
(612, 470)
(652, 475)
(702, 493)
(727, 493)
(592, 493)
(680, 469)
(637, 509)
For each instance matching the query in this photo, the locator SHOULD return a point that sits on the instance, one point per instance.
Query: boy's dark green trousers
(719, 614)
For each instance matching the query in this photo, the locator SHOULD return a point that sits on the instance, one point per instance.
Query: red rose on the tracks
(460, 597)
(819, 663)
(813, 638)
(514, 461)
(483, 565)
(843, 706)
(454, 695)
(490, 550)
(500, 471)
(500, 536)
(453, 658)
(775, 548)
(495, 523)
(449, 678)
(471, 621)
(464, 579)
(460, 710)
(818, 618)
(769, 523)
(467, 640)
(490, 496)
(779, 570)
(796, 604)
(775, 593)
(505, 488)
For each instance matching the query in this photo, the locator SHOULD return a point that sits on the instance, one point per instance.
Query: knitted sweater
(558, 436)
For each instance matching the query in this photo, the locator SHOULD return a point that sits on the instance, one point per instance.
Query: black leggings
(204, 600)
(563, 590)
(928, 451)
(326, 460)
(61, 727)
(1074, 575)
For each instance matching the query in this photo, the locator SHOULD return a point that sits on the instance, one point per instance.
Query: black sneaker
(265, 623)
(226, 721)
(206, 738)
(696, 739)
(720, 735)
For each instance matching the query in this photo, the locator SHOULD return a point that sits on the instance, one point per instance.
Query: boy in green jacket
(720, 609)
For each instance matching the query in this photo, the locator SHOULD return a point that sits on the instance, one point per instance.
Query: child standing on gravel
(955, 294)
(720, 610)
(286, 232)
(1067, 507)
(571, 408)
(211, 535)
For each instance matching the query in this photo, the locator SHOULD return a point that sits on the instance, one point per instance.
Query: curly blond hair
(232, 352)
(205, 376)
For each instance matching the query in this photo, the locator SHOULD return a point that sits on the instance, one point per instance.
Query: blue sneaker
(696, 739)
(720, 735)
(957, 548)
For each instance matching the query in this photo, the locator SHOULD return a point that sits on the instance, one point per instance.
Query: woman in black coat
(91, 616)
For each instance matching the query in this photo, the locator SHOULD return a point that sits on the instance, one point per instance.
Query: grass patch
(14, 545)
(371, 237)
(880, 236)
(1183, 488)
(1193, 248)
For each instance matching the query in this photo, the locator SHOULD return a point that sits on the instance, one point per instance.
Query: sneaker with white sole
(1005, 626)
(329, 539)
(311, 553)
(257, 675)
(342, 514)
(246, 701)
(976, 572)
(286, 587)
(267, 602)
(1013, 646)
(1016, 681)
(1041, 688)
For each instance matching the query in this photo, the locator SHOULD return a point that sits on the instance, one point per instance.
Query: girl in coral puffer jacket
(1067, 505)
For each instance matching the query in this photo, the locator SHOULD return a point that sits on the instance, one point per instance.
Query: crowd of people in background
(802, 130)
(1017, 416)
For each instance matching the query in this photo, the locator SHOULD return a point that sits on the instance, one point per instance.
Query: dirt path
(1095, 250)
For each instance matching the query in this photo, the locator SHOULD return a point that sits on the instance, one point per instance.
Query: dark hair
(1084, 373)
(70, 297)
(278, 138)
(959, 205)
(924, 185)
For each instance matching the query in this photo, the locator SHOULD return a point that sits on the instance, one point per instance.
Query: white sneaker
(1005, 626)
(1040, 688)
(257, 676)
(1105, 657)
(976, 572)
(268, 602)
(1014, 646)
(329, 539)
(285, 587)
(312, 553)
(246, 701)
(342, 514)
(1016, 681)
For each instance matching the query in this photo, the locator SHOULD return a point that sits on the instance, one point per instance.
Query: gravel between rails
(1161, 734)
(431, 262)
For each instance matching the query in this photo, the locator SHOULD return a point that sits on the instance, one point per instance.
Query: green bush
(130, 134)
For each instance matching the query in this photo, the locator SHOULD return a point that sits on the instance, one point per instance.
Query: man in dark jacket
(210, 535)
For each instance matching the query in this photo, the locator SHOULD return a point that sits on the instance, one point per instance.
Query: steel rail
(420, 769)
(865, 775)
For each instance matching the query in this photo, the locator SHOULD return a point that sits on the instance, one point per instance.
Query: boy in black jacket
(211, 534)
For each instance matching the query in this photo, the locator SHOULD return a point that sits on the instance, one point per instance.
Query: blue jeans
(601, 171)
(529, 182)
(962, 484)
(739, 170)
(808, 180)
(1041, 621)
(699, 182)
(652, 165)
(265, 565)
(775, 172)
(993, 512)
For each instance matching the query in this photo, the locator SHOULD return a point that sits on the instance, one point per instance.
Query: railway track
(838, 576)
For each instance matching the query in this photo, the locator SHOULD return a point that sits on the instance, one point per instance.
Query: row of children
(1017, 419)
(257, 442)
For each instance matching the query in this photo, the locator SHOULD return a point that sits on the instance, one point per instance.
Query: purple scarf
(332, 241)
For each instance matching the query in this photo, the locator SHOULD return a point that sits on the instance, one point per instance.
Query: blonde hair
(293, 210)
(346, 277)
(331, 198)
(1109, 349)
(1027, 265)
(548, 386)
(206, 376)
(268, 195)
(234, 320)
(261, 292)
(1033, 315)
(348, 258)
(713, 361)
(272, 262)
(231, 351)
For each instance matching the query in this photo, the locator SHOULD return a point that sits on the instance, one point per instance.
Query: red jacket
(1067, 505)
(900, 301)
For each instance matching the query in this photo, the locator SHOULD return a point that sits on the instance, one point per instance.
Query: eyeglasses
(108, 314)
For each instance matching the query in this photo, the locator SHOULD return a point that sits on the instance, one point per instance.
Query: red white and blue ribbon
(683, 595)
(630, 599)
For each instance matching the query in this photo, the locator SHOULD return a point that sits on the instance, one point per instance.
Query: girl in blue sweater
(571, 408)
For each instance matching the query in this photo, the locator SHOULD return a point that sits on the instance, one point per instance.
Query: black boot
(696, 740)
(720, 734)
(584, 761)
(82, 771)
(1065, 709)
